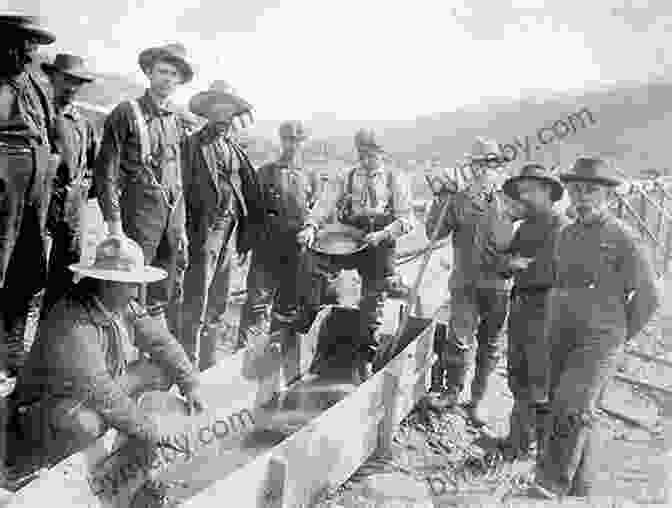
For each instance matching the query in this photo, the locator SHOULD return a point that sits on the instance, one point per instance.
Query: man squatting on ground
(97, 351)
(275, 281)
(531, 265)
(481, 227)
(138, 173)
(223, 199)
(78, 144)
(604, 293)
(376, 200)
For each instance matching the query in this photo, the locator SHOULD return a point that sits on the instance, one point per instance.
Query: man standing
(89, 364)
(376, 201)
(531, 264)
(223, 195)
(479, 293)
(138, 172)
(27, 167)
(78, 145)
(605, 292)
(275, 278)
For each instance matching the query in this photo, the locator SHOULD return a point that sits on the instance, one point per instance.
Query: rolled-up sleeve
(402, 206)
(154, 338)
(107, 167)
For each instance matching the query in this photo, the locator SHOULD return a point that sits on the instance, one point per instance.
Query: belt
(529, 290)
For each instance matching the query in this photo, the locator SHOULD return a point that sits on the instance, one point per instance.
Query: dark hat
(484, 149)
(592, 169)
(174, 53)
(220, 96)
(367, 140)
(338, 239)
(70, 65)
(293, 129)
(533, 172)
(30, 25)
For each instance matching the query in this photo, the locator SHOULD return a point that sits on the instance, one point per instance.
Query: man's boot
(479, 386)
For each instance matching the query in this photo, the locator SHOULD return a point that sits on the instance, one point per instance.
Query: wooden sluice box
(274, 435)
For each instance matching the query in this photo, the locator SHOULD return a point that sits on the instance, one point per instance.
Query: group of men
(575, 292)
(175, 202)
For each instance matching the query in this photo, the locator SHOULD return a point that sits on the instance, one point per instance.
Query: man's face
(291, 146)
(16, 52)
(587, 197)
(120, 294)
(370, 159)
(164, 78)
(65, 87)
(535, 194)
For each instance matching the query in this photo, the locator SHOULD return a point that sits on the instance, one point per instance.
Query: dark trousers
(527, 361)
(476, 321)
(207, 255)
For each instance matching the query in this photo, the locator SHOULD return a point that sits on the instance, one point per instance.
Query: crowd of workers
(177, 202)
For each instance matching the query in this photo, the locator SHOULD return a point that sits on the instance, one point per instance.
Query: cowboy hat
(30, 25)
(591, 169)
(174, 53)
(120, 259)
(70, 65)
(533, 172)
(219, 98)
(292, 129)
(338, 240)
(366, 140)
(485, 149)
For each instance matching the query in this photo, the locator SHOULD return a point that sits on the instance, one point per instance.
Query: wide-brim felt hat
(338, 240)
(484, 149)
(31, 25)
(70, 65)
(220, 96)
(366, 140)
(533, 172)
(119, 259)
(592, 169)
(173, 53)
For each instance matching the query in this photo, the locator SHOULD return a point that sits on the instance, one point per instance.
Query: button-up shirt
(22, 100)
(535, 238)
(362, 195)
(120, 152)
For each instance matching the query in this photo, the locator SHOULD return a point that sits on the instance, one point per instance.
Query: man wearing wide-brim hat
(27, 166)
(97, 351)
(604, 293)
(139, 172)
(481, 226)
(276, 282)
(223, 201)
(531, 266)
(78, 143)
(374, 199)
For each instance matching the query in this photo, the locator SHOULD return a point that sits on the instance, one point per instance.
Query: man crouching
(97, 350)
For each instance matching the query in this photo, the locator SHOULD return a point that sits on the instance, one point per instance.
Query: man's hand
(306, 236)
(243, 258)
(376, 238)
(520, 263)
(195, 402)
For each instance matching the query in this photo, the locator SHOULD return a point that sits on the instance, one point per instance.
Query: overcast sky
(373, 59)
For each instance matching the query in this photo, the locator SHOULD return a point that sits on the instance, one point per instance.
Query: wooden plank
(620, 400)
(324, 453)
(246, 380)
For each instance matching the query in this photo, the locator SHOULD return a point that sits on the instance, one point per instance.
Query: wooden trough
(343, 425)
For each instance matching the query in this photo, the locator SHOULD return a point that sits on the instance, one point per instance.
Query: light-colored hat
(120, 259)
(338, 240)
(485, 149)
(534, 172)
(70, 65)
(220, 98)
(30, 25)
(367, 140)
(592, 169)
(292, 129)
(174, 53)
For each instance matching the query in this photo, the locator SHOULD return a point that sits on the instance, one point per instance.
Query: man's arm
(91, 153)
(402, 207)
(326, 204)
(107, 166)
(449, 223)
(154, 338)
(88, 375)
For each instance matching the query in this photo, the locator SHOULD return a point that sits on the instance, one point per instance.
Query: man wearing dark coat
(223, 200)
